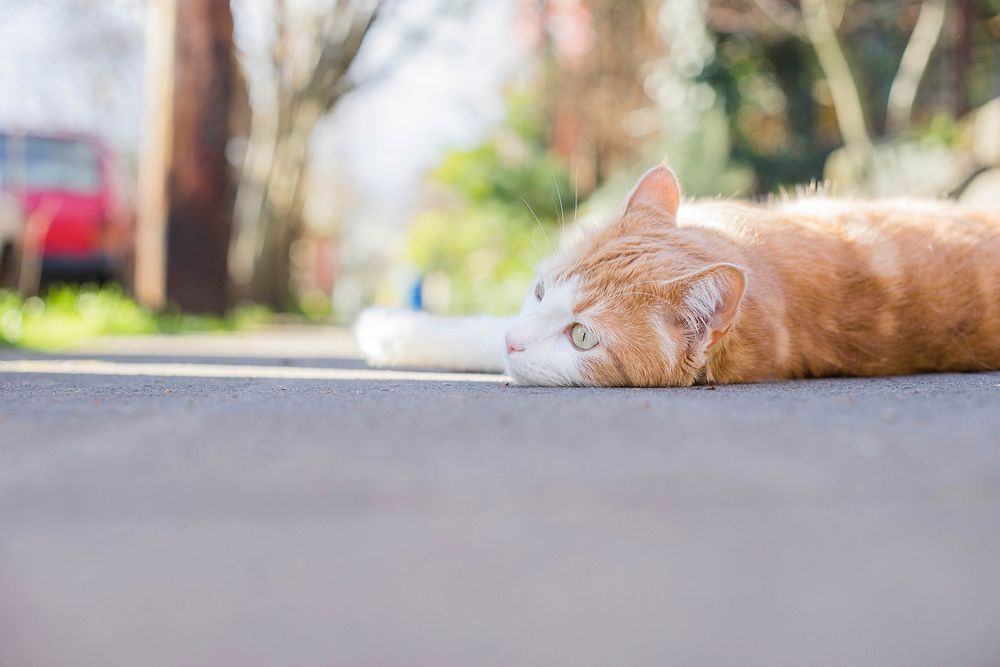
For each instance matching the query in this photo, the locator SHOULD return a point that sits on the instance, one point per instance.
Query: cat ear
(708, 300)
(658, 190)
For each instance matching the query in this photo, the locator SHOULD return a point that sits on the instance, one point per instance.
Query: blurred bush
(503, 203)
(70, 314)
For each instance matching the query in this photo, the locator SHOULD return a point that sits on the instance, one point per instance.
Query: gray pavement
(153, 517)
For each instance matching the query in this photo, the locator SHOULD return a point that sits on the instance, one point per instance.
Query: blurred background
(314, 156)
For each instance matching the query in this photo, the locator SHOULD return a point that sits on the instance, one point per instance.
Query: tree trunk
(200, 188)
(280, 222)
(186, 184)
(271, 283)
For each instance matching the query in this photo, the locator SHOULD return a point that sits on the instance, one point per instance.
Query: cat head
(632, 305)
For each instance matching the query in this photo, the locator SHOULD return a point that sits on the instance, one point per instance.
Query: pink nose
(513, 347)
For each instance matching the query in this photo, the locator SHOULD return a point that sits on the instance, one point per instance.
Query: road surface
(260, 500)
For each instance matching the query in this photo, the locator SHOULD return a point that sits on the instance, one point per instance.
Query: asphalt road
(321, 516)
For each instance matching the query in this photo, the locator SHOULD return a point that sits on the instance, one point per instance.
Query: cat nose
(512, 346)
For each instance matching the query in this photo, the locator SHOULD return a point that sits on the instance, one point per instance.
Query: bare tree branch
(279, 47)
(309, 83)
(913, 64)
(339, 51)
(820, 28)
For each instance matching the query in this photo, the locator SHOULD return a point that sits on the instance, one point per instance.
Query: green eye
(582, 337)
(540, 290)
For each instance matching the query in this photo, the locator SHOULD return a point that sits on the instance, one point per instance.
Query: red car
(74, 212)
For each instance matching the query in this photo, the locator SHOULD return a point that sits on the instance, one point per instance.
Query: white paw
(382, 333)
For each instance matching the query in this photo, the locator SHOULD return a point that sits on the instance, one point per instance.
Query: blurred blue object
(417, 294)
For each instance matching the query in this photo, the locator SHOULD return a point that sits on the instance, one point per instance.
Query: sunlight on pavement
(91, 367)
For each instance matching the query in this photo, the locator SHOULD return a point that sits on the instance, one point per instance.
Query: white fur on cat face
(549, 357)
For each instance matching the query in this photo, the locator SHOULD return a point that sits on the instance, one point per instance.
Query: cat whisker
(562, 213)
(539, 223)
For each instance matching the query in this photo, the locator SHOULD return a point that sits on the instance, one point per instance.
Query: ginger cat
(678, 294)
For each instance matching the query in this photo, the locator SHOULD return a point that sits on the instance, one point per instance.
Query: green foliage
(509, 195)
(941, 130)
(512, 167)
(314, 306)
(69, 315)
(486, 254)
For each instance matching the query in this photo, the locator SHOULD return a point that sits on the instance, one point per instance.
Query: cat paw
(382, 334)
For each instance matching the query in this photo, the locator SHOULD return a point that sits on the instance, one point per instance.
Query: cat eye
(540, 290)
(582, 337)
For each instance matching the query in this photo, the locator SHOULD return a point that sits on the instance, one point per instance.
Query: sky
(77, 65)
(72, 66)
(446, 93)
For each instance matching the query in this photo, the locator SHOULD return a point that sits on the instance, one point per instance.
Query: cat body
(845, 287)
(726, 291)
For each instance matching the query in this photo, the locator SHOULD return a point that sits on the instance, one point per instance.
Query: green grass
(68, 315)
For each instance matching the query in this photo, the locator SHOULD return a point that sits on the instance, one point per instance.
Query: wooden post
(187, 189)
(151, 232)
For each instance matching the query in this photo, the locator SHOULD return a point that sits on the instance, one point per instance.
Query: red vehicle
(74, 213)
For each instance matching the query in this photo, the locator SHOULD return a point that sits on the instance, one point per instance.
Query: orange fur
(829, 288)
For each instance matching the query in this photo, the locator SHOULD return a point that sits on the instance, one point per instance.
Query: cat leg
(401, 337)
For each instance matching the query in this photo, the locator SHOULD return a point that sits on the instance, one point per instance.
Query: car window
(63, 164)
